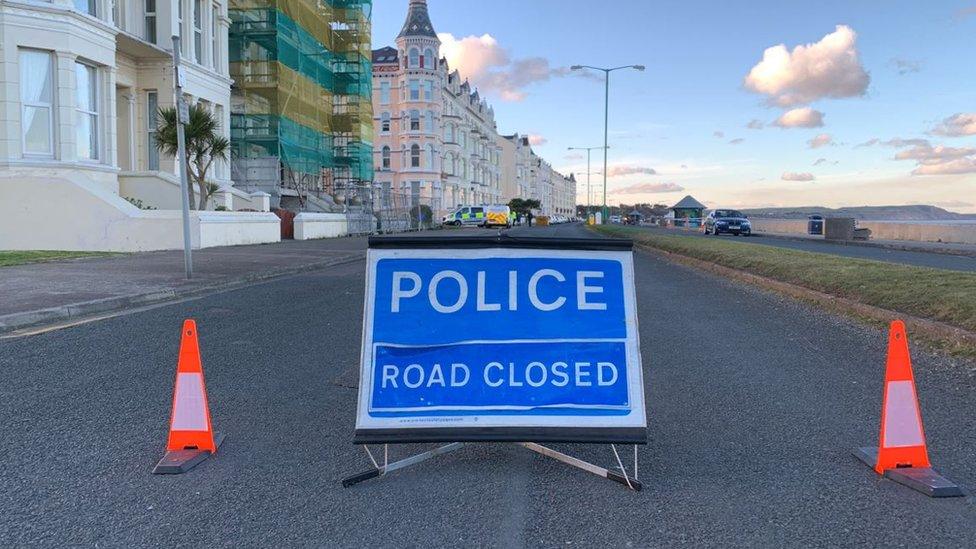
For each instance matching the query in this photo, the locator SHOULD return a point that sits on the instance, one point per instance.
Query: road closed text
(459, 376)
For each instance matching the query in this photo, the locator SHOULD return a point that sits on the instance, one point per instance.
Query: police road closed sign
(500, 339)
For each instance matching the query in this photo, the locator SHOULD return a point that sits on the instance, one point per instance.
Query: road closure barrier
(902, 454)
(191, 438)
(500, 339)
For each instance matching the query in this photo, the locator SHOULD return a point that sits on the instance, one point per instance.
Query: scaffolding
(301, 121)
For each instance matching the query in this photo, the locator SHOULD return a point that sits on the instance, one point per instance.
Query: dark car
(728, 222)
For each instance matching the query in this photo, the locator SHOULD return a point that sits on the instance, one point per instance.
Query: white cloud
(803, 117)
(828, 68)
(821, 140)
(957, 166)
(957, 125)
(719, 134)
(819, 161)
(736, 141)
(537, 140)
(905, 66)
(617, 171)
(794, 176)
(488, 65)
(935, 160)
(575, 156)
(755, 124)
(642, 188)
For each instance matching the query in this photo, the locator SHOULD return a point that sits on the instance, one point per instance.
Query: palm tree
(203, 146)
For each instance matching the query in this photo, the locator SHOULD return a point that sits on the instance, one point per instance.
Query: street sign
(500, 339)
(184, 110)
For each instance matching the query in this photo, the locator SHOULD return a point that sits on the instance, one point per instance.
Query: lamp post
(588, 150)
(606, 119)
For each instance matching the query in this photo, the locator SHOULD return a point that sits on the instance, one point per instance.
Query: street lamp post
(606, 119)
(588, 195)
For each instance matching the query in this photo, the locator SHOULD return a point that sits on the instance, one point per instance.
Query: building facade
(436, 142)
(84, 79)
(527, 175)
(302, 112)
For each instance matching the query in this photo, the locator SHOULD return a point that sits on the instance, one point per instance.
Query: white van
(465, 215)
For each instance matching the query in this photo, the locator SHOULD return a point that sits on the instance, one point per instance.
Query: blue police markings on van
(489, 343)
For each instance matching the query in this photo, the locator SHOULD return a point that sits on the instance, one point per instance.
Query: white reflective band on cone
(189, 414)
(901, 426)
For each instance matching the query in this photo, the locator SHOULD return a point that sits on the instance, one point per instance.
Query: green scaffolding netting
(303, 84)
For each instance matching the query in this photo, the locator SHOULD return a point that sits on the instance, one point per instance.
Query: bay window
(86, 109)
(150, 31)
(37, 102)
(198, 31)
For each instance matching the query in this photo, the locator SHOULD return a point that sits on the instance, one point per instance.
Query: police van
(465, 215)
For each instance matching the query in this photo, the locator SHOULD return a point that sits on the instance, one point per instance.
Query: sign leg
(396, 465)
(631, 483)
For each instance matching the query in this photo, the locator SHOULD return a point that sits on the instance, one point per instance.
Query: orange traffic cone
(191, 437)
(903, 455)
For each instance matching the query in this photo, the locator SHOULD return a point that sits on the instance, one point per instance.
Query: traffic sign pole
(182, 118)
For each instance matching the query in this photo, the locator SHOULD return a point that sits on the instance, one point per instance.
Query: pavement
(62, 290)
(934, 256)
(754, 403)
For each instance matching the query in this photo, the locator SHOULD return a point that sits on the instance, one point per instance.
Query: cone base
(181, 461)
(921, 479)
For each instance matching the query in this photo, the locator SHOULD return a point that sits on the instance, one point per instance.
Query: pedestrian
(530, 216)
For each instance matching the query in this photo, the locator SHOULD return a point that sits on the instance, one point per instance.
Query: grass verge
(946, 297)
(8, 259)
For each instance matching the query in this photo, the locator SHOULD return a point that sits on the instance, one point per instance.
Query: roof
(689, 202)
(385, 55)
(418, 21)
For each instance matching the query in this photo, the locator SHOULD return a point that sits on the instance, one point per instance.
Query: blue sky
(904, 69)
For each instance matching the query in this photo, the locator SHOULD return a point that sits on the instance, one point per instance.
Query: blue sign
(500, 344)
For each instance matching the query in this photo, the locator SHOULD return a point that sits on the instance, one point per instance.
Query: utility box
(839, 228)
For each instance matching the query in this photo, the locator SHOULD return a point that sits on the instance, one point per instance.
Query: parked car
(616, 219)
(465, 215)
(727, 221)
(498, 215)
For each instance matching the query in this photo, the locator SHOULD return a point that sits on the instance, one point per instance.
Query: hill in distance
(876, 213)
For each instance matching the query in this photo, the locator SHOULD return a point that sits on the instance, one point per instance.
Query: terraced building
(301, 110)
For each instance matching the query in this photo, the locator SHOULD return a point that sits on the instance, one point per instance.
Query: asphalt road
(920, 259)
(754, 403)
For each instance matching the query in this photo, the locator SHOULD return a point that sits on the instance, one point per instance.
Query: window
(384, 93)
(385, 122)
(86, 108)
(198, 30)
(179, 21)
(415, 90)
(428, 90)
(150, 21)
(37, 102)
(414, 121)
(214, 37)
(429, 122)
(86, 6)
(428, 59)
(386, 158)
(414, 58)
(152, 122)
(414, 156)
(430, 157)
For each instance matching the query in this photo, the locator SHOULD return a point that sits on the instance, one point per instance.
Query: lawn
(8, 259)
(933, 294)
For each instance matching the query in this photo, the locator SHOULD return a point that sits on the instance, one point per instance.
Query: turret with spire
(418, 36)
(418, 21)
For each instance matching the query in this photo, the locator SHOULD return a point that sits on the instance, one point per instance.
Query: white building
(435, 138)
(527, 175)
(82, 81)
